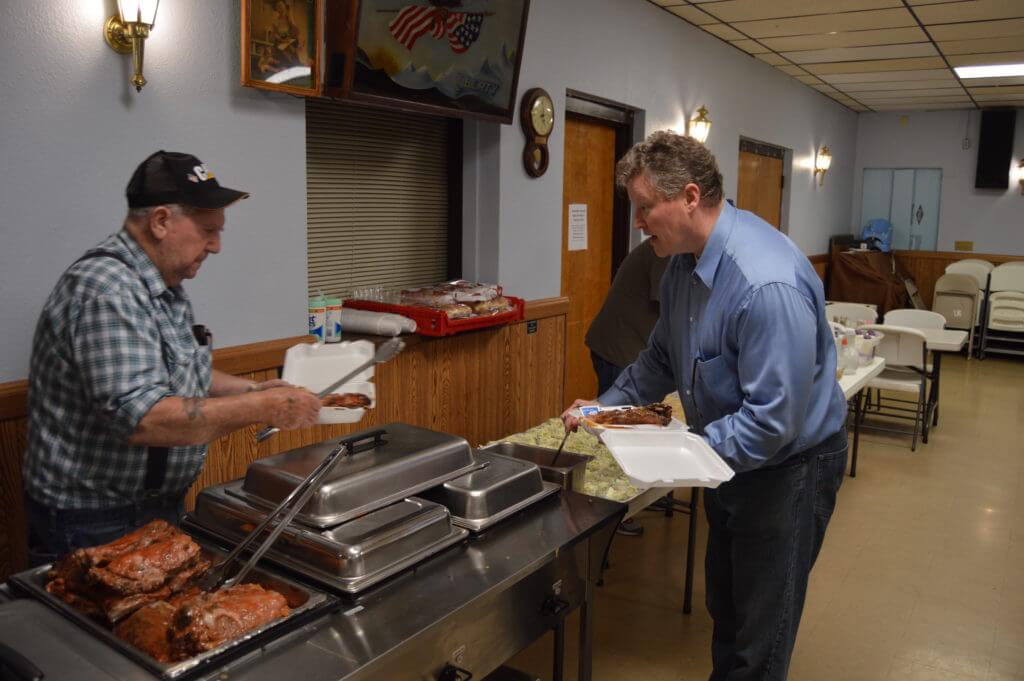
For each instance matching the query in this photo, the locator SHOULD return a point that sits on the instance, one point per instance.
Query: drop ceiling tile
(1006, 90)
(790, 70)
(1018, 100)
(827, 89)
(932, 2)
(883, 76)
(983, 59)
(876, 65)
(992, 82)
(809, 80)
(824, 23)
(898, 85)
(982, 45)
(723, 31)
(692, 14)
(922, 106)
(883, 36)
(978, 29)
(751, 10)
(870, 95)
(773, 59)
(837, 54)
(664, 3)
(976, 10)
(750, 46)
(947, 99)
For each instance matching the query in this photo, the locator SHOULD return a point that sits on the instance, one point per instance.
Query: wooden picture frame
(281, 45)
(479, 43)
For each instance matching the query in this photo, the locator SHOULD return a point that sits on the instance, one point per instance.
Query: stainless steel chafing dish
(350, 557)
(490, 494)
(362, 524)
(306, 603)
(400, 461)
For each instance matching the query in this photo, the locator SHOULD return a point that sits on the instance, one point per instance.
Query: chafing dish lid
(407, 460)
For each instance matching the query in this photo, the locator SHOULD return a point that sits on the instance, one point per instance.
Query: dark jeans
(766, 528)
(606, 372)
(53, 533)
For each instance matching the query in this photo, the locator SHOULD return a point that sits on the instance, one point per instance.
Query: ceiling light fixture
(128, 32)
(700, 125)
(990, 71)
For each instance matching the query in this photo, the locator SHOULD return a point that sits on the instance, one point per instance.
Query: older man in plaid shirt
(122, 395)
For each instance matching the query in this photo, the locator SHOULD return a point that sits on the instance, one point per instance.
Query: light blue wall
(992, 218)
(72, 132)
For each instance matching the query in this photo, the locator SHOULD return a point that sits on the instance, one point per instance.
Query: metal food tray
(487, 496)
(569, 469)
(306, 603)
(348, 558)
(401, 461)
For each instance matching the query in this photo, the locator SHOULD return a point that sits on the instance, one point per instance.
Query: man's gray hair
(142, 214)
(670, 162)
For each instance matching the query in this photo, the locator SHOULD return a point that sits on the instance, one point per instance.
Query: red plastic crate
(431, 322)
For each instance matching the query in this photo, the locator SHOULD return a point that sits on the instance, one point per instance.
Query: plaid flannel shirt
(111, 342)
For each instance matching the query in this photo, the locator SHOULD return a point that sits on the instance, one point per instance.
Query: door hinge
(782, 181)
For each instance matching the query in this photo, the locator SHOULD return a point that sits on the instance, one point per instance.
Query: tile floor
(921, 577)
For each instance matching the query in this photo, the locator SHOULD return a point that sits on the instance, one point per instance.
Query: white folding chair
(915, 319)
(906, 358)
(854, 314)
(958, 299)
(1005, 308)
(977, 261)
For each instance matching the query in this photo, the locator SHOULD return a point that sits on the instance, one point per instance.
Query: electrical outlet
(963, 245)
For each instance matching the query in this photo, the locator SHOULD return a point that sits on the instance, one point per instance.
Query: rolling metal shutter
(377, 198)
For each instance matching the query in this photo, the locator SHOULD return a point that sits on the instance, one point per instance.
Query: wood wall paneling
(481, 385)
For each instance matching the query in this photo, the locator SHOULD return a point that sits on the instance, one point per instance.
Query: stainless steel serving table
(462, 612)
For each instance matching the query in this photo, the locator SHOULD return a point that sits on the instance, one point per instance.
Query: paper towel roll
(378, 323)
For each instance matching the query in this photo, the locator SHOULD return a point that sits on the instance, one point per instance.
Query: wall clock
(537, 116)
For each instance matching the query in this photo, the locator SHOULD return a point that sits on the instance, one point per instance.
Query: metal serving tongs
(217, 576)
(385, 352)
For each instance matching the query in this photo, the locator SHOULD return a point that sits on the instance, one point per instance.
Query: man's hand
(569, 420)
(289, 408)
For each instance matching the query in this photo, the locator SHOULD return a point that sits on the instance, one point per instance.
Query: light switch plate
(963, 245)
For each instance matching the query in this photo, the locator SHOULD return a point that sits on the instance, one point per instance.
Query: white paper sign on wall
(577, 226)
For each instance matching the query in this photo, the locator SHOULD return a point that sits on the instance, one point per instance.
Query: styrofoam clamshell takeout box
(596, 428)
(675, 458)
(315, 366)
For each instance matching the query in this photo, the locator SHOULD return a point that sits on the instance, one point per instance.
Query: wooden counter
(481, 385)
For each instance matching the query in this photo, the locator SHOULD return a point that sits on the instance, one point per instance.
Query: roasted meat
(347, 400)
(656, 414)
(210, 619)
(148, 629)
(113, 580)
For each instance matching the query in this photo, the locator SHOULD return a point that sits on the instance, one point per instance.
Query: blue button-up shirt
(743, 337)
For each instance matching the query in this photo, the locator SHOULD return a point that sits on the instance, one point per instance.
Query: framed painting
(450, 57)
(281, 45)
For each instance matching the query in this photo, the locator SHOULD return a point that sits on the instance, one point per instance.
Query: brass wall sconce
(822, 162)
(128, 32)
(700, 125)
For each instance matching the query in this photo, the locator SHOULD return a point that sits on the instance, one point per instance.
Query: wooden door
(586, 274)
(760, 186)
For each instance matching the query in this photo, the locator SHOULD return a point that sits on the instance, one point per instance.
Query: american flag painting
(415, 21)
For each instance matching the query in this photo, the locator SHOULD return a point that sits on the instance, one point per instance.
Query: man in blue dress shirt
(743, 337)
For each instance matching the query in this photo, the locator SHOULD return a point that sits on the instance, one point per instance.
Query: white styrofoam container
(666, 459)
(315, 366)
(596, 428)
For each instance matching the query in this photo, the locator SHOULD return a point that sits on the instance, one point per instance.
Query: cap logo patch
(202, 174)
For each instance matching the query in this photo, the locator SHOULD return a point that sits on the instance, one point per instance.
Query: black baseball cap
(173, 177)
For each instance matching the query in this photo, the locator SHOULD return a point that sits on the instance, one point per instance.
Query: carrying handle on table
(17, 664)
(352, 442)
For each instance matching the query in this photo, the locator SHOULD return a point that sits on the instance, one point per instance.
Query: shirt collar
(707, 264)
(148, 272)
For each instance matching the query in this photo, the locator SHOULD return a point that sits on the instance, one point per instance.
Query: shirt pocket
(719, 388)
(181, 360)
